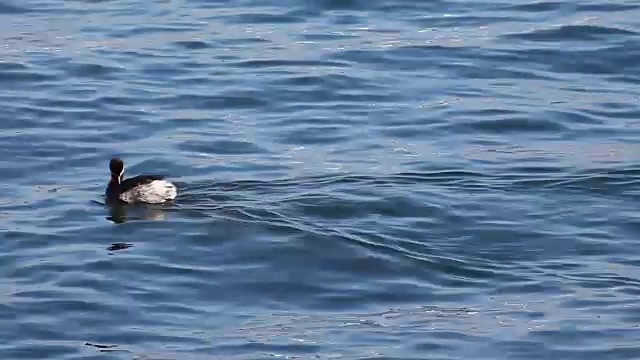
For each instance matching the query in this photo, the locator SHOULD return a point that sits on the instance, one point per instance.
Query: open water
(391, 179)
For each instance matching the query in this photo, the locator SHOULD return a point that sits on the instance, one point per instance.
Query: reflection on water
(119, 246)
(120, 213)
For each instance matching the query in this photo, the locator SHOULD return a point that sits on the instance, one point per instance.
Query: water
(358, 180)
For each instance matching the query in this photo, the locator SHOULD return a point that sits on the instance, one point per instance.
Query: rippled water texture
(386, 179)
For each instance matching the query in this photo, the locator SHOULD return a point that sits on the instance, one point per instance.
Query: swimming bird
(153, 189)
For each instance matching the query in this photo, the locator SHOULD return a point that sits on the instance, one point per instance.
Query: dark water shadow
(120, 213)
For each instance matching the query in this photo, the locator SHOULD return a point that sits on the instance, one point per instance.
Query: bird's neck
(116, 179)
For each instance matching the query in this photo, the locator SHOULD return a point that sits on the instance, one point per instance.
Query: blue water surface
(387, 179)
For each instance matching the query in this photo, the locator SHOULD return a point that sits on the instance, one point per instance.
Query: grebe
(151, 189)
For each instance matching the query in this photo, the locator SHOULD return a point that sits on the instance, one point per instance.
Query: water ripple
(357, 179)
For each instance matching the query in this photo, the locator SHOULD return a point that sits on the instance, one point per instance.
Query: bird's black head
(116, 166)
